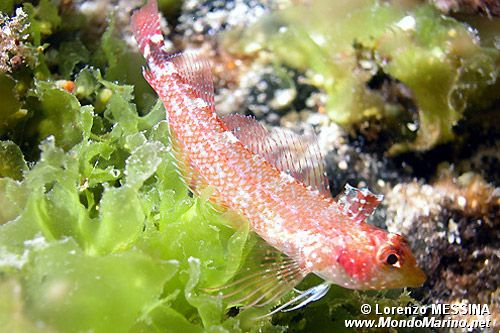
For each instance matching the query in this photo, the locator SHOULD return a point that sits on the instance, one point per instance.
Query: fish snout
(415, 277)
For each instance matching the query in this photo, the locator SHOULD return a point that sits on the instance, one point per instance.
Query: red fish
(275, 180)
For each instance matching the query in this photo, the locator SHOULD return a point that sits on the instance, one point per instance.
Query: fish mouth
(415, 278)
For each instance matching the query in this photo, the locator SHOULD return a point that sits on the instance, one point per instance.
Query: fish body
(285, 202)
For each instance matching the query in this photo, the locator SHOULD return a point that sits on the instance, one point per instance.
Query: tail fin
(146, 28)
(192, 67)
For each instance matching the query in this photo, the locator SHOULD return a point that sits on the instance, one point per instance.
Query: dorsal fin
(196, 71)
(298, 155)
(358, 204)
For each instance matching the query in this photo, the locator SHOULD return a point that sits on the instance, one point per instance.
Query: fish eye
(390, 256)
(392, 259)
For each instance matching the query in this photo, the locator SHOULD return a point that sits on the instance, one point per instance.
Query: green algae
(342, 46)
(11, 108)
(12, 163)
(114, 223)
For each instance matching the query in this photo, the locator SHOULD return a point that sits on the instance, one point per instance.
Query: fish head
(394, 265)
(377, 260)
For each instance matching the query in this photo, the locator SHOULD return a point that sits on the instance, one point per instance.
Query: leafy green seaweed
(106, 220)
(11, 108)
(342, 46)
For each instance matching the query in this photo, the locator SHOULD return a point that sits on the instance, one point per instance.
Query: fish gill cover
(97, 231)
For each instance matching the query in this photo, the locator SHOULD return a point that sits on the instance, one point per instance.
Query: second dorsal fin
(193, 70)
(196, 70)
(297, 155)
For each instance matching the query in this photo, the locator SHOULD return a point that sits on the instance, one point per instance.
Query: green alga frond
(342, 46)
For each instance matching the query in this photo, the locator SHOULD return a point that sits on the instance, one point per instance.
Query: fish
(275, 180)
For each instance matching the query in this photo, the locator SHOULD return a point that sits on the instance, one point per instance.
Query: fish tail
(191, 67)
(145, 24)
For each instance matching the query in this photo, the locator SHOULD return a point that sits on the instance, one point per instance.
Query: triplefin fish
(274, 179)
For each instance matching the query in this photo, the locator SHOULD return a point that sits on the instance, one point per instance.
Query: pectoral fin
(270, 275)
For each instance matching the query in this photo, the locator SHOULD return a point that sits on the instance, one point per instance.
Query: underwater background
(99, 234)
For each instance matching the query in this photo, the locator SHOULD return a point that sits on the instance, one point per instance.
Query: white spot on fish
(286, 177)
(230, 137)
(200, 103)
(157, 39)
(147, 51)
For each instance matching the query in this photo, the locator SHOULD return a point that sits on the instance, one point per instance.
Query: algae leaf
(101, 231)
(341, 46)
